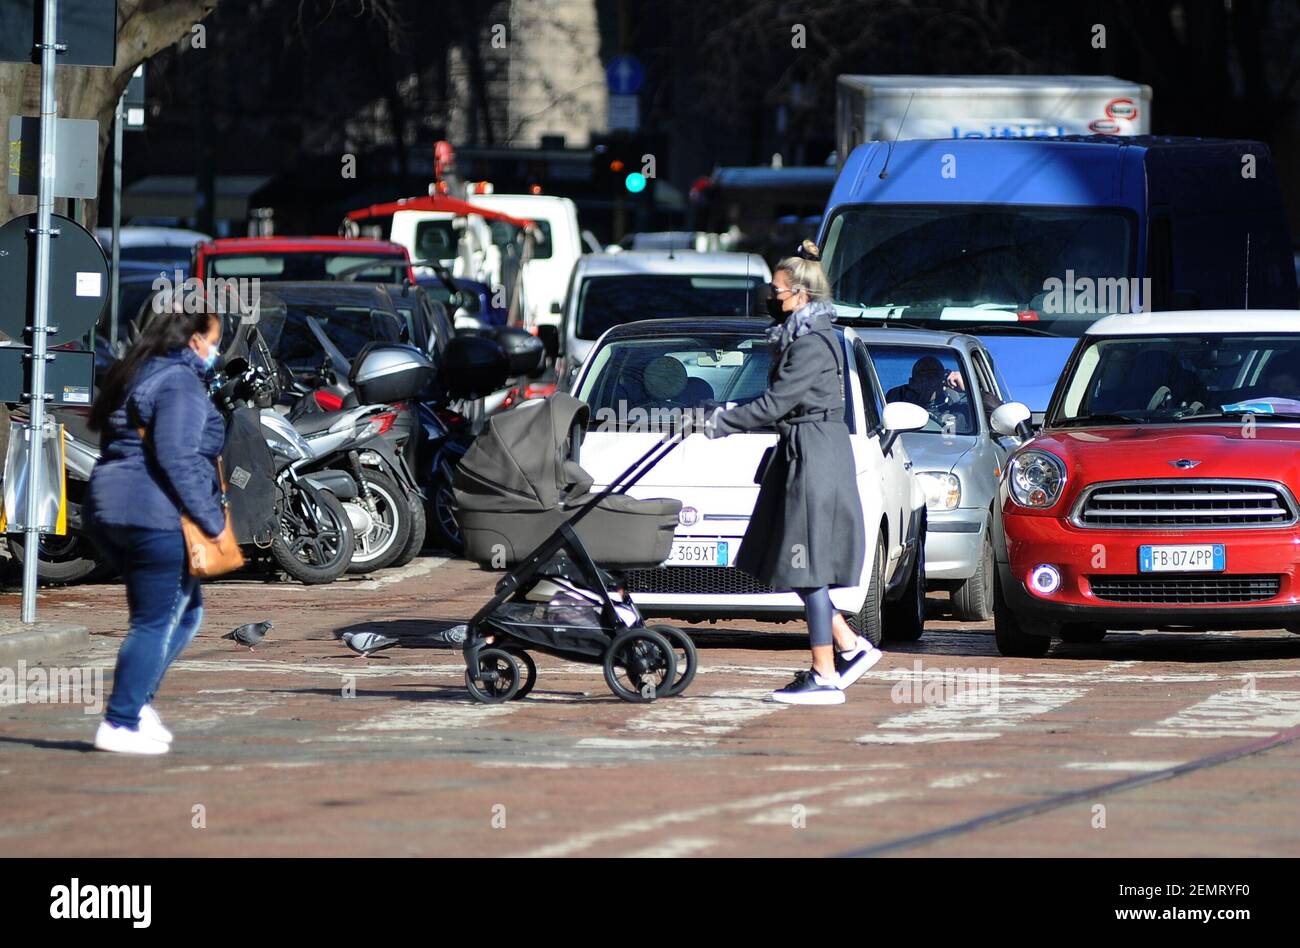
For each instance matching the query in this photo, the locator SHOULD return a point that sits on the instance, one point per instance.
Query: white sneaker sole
(861, 665)
(137, 744)
(809, 697)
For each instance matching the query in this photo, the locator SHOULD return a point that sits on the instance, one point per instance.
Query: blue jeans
(166, 609)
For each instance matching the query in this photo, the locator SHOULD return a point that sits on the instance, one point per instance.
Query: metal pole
(114, 277)
(40, 318)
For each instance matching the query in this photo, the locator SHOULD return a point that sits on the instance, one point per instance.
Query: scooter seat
(315, 422)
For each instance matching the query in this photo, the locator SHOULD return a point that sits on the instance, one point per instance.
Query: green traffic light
(635, 182)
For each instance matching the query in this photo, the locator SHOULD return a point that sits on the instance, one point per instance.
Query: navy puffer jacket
(148, 483)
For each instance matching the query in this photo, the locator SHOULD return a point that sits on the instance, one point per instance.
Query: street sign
(624, 75)
(88, 28)
(76, 163)
(624, 113)
(133, 101)
(78, 278)
(68, 376)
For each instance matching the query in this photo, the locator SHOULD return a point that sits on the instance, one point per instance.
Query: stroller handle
(639, 468)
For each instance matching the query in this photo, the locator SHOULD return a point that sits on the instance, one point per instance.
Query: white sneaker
(122, 740)
(151, 725)
(853, 664)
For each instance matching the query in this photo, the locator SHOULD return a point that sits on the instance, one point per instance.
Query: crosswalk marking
(1234, 713)
(982, 716)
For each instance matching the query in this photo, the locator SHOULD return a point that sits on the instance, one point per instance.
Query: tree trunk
(143, 28)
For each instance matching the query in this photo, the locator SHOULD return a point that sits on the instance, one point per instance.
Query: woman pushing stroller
(806, 533)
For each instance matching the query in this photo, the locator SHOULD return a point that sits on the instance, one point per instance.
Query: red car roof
(301, 244)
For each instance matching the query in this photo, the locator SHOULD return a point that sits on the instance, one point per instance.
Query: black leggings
(820, 612)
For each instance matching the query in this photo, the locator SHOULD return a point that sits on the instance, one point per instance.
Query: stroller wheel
(497, 677)
(684, 651)
(640, 665)
(530, 672)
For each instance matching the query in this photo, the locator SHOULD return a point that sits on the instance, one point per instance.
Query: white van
(555, 251)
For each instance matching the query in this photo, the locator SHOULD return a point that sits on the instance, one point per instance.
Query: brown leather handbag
(207, 556)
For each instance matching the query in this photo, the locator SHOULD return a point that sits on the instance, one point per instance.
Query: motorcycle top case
(385, 372)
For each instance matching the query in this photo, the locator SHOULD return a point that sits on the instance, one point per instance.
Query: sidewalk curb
(40, 640)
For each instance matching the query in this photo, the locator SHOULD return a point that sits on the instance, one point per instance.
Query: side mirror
(899, 417)
(1011, 419)
(474, 366)
(550, 336)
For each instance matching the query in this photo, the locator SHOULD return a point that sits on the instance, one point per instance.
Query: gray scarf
(814, 316)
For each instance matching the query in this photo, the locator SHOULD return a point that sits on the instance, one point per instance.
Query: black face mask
(775, 311)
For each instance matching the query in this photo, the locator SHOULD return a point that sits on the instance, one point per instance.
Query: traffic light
(622, 165)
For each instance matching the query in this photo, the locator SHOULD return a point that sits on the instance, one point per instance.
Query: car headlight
(942, 490)
(1036, 478)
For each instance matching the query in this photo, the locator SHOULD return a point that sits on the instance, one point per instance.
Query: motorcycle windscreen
(250, 478)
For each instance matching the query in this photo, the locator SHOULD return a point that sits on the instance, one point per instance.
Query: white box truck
(872, 108)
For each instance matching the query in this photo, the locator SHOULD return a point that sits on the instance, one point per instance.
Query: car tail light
(1027, 315)
(512, 396)
(328, 400)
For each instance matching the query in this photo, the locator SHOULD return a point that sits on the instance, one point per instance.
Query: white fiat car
(639, 380)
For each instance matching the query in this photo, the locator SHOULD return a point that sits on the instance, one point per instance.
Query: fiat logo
(688, 517)
(1184, 464)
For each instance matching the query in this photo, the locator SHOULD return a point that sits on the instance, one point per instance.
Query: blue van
(1026, 242)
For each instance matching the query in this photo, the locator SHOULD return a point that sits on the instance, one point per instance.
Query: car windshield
(290, 338)
(606, 301)
(648, 383)
(939, 266)
(930, 376)
(1163, 379)
(300, 266)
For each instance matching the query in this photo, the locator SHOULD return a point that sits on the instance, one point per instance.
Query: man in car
(931, 387)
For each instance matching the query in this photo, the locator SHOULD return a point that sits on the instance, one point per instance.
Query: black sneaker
(809, 687)
(853, 664)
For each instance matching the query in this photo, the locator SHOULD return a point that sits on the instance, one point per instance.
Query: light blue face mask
(210, 360)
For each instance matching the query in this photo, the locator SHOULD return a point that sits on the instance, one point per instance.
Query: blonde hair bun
(808, 250)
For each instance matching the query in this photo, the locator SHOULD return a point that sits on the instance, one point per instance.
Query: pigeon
(250, 634)
(367, 643)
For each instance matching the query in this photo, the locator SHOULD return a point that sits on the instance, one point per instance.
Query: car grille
(1185, 590)
(1186, 503)
(695, 580)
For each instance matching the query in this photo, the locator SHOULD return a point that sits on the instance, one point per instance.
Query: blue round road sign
(624, 75)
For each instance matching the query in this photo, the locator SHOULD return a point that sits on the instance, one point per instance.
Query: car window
(1170, 378)
(933, 377)
(605, 301)
(648, 383)
(870, 394)
(300, 266)
(348, 327)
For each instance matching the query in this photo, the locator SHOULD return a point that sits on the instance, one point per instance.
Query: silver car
(958, 457)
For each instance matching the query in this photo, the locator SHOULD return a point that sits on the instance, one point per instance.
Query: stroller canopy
(523, 456)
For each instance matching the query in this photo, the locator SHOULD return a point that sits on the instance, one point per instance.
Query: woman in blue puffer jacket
(138, 491)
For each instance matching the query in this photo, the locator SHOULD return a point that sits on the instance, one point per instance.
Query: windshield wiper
(1203, 416)
(1008, 327)
(1104, 418)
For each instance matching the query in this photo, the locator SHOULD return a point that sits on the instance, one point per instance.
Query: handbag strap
(839, 372)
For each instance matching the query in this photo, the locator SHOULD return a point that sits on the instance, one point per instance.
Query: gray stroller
(524, 502)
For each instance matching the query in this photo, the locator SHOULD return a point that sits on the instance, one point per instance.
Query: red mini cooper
(1161, 490)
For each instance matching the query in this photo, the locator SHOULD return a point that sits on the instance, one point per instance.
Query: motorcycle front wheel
(314, 539)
